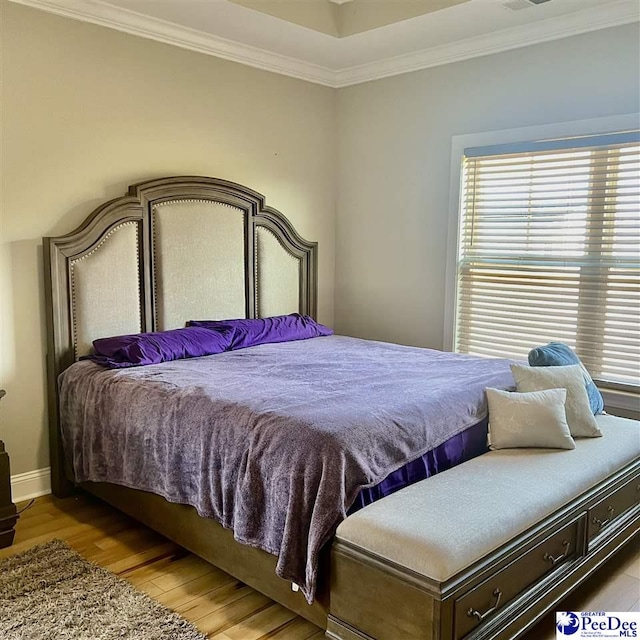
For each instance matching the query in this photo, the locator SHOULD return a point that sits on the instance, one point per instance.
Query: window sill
(624, 400)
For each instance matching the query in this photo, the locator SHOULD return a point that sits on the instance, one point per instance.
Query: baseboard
(32, 484)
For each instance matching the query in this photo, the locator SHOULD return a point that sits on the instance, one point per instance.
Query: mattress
(276, 442)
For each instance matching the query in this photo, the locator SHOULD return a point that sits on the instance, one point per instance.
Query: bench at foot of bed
(482, 551)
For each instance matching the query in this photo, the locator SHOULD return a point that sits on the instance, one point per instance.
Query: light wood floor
(220, 606)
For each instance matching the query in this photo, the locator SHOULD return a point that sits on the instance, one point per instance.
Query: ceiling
(342, 18)
(343, 42)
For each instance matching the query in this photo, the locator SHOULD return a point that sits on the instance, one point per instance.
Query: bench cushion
(443, 524)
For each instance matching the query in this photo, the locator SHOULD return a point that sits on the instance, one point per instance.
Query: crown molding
(611, 15)
(96, 12)
(144, 26)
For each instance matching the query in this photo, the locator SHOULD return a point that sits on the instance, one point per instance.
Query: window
(549, 249)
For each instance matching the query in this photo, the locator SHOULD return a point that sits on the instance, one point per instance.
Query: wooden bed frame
(262, 234)
(63, 254)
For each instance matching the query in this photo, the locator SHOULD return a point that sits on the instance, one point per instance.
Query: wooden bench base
(498, 597)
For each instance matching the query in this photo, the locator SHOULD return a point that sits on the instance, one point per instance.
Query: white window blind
(549, 249)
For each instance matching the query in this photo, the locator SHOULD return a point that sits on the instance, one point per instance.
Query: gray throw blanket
(274, 441)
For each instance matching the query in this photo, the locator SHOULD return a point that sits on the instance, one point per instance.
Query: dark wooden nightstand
(8, 511)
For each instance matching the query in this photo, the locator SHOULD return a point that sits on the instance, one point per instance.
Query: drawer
(484, 600)
(605, 512)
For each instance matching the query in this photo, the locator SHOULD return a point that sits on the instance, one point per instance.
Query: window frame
(596, 126)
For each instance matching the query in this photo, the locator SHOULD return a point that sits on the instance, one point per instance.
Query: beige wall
(394, 165)
(88, 111)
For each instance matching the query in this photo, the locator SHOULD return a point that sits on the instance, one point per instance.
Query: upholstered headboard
(171, 250)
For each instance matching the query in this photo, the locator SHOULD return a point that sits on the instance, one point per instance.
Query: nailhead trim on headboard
(255, 253)
(255, 271)
(203, 200)
(72, 264)
(155, 238)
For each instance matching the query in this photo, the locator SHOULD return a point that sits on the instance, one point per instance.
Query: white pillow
(535, 419)
(579, 415)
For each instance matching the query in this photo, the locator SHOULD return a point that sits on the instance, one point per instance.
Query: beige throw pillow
(535, 419)
(579, 416)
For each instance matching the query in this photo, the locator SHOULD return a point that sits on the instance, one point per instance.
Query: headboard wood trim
(60, 253)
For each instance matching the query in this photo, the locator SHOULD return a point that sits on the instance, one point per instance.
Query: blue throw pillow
(558, 354)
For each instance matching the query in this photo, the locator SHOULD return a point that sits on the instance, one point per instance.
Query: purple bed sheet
(277, 441)
(464, 446)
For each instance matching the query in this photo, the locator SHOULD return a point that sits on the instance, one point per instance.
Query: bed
(180, 248)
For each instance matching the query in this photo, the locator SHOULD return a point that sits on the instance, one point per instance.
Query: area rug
(50, 592)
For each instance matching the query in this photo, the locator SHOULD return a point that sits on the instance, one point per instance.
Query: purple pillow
(161, 346)
(252, 332)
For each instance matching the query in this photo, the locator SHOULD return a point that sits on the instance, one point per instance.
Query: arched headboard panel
(171, 250)
(199, 248)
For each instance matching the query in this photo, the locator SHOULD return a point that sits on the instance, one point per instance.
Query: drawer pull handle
(604, 523)
(472, 613)
(562, 556)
